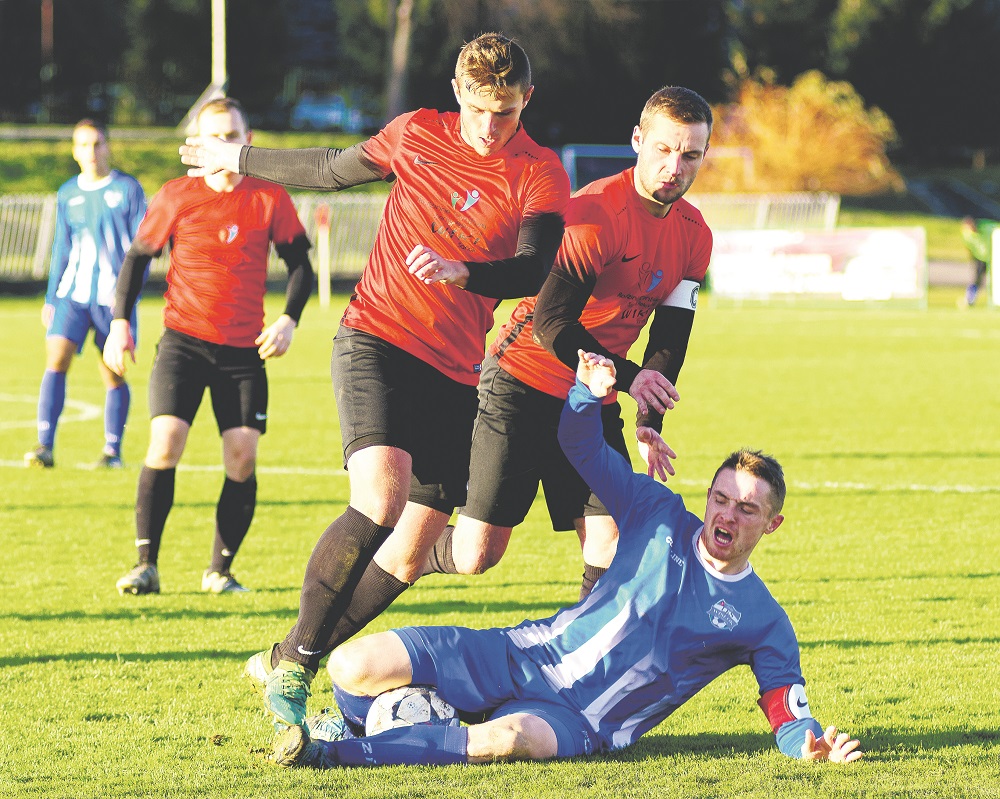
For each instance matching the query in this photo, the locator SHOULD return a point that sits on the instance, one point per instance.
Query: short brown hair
(224, 105)
(493, 63)
(756, 463)
(87, 122)
(679, 104)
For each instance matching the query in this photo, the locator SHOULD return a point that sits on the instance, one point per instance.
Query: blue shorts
(72, 320)
(471, 669)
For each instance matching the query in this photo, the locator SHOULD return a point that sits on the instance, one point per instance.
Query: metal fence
(27, 223)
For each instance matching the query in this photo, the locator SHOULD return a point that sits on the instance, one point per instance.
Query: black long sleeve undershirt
(131, 277)
(524, 274)
(319, 168)
(295, 254)
(557, 327)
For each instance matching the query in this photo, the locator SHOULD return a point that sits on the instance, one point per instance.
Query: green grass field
(888, 425)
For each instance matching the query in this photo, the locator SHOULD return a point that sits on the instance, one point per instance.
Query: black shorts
(185, 366)
(388, 397)
(515, 446)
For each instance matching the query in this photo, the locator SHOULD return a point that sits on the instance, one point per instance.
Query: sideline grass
(886, 423)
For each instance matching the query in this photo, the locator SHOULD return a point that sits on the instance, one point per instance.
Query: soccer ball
(403, 707)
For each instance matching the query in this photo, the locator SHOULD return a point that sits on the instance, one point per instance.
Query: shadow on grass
(877, 743)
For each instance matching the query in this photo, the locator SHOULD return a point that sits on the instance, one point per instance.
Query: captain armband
(685, 295)
(785, 704)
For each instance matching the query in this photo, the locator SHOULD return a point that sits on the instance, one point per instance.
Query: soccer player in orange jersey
(220, 231)
(475, 215)
(633, 250)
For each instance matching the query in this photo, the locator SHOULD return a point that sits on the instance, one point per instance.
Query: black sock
(590, 576)
(337, 562)
(376, 590)
(440, 560)
(233, 515)
(153, 501)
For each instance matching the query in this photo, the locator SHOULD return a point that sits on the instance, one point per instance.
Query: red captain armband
(785, 704)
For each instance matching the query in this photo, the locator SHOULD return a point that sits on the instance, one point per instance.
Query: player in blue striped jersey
(97, 214)
(679, 606)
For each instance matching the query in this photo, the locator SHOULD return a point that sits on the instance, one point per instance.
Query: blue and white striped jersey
(661, 623)
(94, 229)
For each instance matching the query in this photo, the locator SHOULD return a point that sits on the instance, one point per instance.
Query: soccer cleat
(40, 457)
(328, 725)
(109, 461)
(286, 692)
(221, 583)
(257, 669)
(142, 579)
(293, 748)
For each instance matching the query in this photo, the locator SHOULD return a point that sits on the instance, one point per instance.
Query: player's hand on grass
(655, 452)
(653, 392)
(276, 338)
(833, 747)
(428, 267)
(208, 155)
(596, 372)
(118, 343)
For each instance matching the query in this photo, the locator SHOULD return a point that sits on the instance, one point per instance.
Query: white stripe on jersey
(581, 662)
(685, 295)
(527, 636)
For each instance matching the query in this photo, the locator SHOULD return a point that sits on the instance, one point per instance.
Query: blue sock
(418, 745)
(51, 398)
(116, 403)
(353, 708)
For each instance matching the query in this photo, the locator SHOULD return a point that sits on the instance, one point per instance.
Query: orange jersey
(463, 206)
(219, 243)
(638, 261)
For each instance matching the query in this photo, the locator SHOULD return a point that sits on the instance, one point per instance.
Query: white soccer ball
(411, 704)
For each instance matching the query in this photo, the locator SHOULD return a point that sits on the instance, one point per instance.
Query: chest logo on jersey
(471, 198)
(113, 198)
(724, 616)
(229, 233)
(649, 278)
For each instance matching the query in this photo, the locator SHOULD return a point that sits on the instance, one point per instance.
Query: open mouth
(722, 537)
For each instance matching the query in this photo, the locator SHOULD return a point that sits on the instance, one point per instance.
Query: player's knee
(474, 561)
(358, 666)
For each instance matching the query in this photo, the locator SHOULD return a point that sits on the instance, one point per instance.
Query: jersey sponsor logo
(477, 368)
(229, 233)
(471, 198)
(649, 278)
(627, 258)
(418, 161)
(113, 198)
(724, 616)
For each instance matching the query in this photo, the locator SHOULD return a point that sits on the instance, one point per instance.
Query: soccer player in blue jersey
(679, 606)
(97, 215)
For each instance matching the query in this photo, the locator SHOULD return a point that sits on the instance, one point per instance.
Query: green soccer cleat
(39, 458)
(285, 688)
(221, 583)
(328, 725)
(142, 579)
(286, 692)
(293, 748)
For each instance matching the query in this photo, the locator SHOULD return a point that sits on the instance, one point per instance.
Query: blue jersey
(661, 623)
(94, 229)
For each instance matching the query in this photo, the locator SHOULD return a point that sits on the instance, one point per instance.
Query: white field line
(82, 411)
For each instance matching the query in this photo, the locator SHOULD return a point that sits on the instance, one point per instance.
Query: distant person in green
(977, 235)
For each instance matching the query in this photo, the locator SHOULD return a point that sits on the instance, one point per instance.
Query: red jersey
(463, 206)
(219, 243)
(638, 261)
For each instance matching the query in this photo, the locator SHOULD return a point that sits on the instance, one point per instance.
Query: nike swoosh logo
(418, 161)
(306, 652)
(626, 259)
(800, 704)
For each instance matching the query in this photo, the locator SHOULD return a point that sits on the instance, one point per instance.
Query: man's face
(670, 155)
(225, 125)
(91, 153)
(489, 122)
(737, 515)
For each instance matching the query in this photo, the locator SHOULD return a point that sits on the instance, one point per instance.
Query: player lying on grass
(679, 606)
